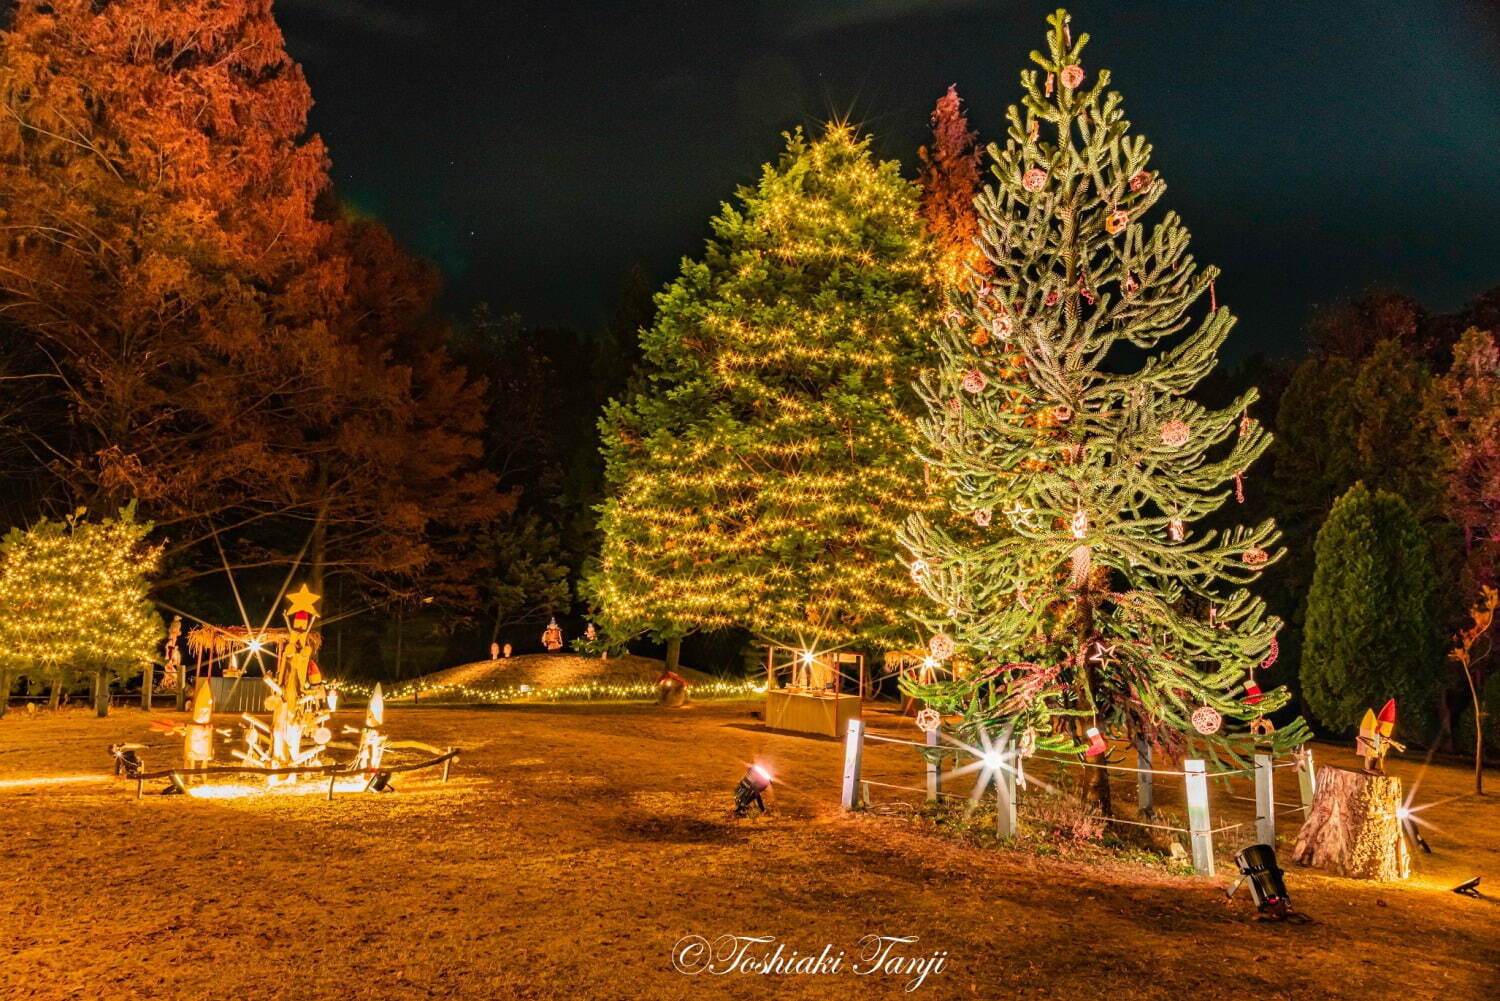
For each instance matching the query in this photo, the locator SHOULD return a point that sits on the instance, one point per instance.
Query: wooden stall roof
(223, 640)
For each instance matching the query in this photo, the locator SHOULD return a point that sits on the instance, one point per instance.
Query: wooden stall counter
(825, 713)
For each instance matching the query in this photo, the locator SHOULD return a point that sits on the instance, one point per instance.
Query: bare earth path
(576, 844)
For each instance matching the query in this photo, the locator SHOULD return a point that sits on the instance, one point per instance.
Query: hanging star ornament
(303, 600)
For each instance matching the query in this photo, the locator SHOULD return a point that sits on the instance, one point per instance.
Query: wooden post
(447, 763)
(1199, 824)
(1307, 782)
(147, 675)
(934, 769)
(1265, 800)
(1005, 791)
(1144, 792)
(854, 749)
(332, 778)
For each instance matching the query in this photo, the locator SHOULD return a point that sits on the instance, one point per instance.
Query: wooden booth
(808, 692)
(919, 665)
(224, 655)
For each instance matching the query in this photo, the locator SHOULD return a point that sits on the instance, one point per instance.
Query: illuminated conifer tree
(759, 476)
(1097, 601)
(73, 600)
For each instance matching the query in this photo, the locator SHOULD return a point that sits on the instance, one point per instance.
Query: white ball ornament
(928, 720)
(1206, 720)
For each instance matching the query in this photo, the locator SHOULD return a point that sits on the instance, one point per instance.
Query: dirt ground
(576, 846)
(555, 670)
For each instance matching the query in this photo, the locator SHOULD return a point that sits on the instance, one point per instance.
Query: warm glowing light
(993, 760)
(807, 656)
(254, 646)
(761, 772)
(47, 780)
(1402, 813)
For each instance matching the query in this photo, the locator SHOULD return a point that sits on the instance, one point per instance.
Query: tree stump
(1353, 828)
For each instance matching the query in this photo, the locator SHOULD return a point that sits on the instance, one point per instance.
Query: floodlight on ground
(748, 793)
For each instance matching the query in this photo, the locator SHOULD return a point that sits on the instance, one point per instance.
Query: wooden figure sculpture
(552, 637)
(298, 698)
(198, 736)
(1374, 738)
(371, 740)
(171, 661)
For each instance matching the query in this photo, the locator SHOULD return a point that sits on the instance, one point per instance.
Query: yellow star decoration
(302, 600)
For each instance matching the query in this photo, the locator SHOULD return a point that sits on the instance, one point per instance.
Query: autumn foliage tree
(229, 349)
(950, 180)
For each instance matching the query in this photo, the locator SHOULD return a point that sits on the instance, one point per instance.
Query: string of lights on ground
(639, 691)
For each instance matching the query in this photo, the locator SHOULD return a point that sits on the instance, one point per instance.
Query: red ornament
(1255, 557)
(1252, 694)
(1071, 76)
(1052, 298)
(982, 517)
(1140, 180)
(1002, 326)
(1097, 744)
(1034, 179)
(1272, 654)
(974, 381)
(1206, 720)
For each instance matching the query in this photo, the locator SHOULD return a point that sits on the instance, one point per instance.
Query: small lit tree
(74, 599)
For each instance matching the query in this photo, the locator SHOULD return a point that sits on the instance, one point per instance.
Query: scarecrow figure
(297, 692)
(552, 637)
(171, 665)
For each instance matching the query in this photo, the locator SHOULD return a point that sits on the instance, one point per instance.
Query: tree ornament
(1130, 285)
(1272, 654)
(954, 317)
(974, 381)
(919, 571)
(1206, 720)
(1002, 326)
(1080, 524)
(1082, 561)
(1097, 744)
(1051, 78)
(1175, 433)
(980, 337)
(982, 517)
(1255, 557)
(1245, 423)
(940, 646)
(1140, 180)
(1034, 179)
(1253, 694)
(1261, 727)
(1071, 77)
(928, 720)
(1239, 487)
(1117, 221)
(1062, 413)
(1175, 530)
(1052, 298)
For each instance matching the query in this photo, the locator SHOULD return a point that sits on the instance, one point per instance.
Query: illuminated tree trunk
(1353, 827)
(54, 695)
(101, 692)
(674, 653)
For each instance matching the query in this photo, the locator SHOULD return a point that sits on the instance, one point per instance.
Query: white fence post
(1144, 793)
(1199, 825)
(1307, 779)
(1005, 791)
(854, 749)
(1265, 800)
(934, 769)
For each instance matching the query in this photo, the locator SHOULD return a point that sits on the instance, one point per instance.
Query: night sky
(535, 150)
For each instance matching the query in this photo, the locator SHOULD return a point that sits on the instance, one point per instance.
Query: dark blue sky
(536, 149)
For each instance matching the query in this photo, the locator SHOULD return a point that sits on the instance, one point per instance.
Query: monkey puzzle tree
(758, 476)
(1094, 604)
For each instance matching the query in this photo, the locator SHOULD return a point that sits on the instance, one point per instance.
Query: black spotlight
(1258, 865)
(127, 762)
(1469, 888)
(756, 781)
(380, 782)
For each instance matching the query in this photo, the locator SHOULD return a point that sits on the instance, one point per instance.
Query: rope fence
(1002, 769)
